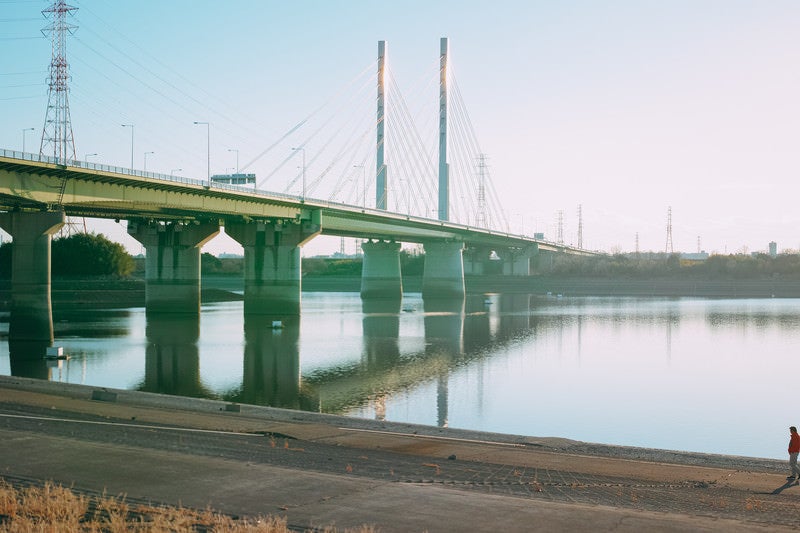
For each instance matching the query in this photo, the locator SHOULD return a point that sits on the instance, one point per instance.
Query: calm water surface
(719, 376)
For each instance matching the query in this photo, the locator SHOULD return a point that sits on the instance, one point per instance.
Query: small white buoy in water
(277, 324)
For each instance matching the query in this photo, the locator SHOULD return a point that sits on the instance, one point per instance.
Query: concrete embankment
(314, 469)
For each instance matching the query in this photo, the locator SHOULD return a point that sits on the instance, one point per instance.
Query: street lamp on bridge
(131, 127)
(237, 157)
(175, 170)
(24, 131)
(145, 160)
(208, 150)
(87, 156)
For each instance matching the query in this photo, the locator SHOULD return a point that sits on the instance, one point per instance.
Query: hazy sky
(623, 107)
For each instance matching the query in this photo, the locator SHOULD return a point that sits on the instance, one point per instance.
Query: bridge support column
(475, 260)
(443, 276)
(544, 261)
(31, 307)
(272, 275)
(517, 261)
(380, 273)
(172, 263)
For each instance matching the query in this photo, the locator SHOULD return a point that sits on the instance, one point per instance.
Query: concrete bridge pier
(31, 308)
(172, 264)
(272, 274)
(475, 260)
(517, 261)
(380, 274)
(545, 261)
(443, 275)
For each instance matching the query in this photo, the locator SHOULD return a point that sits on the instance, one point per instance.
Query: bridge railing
(38, 158)
(252, 191)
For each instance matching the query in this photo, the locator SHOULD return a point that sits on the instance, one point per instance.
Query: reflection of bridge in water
(455, 335)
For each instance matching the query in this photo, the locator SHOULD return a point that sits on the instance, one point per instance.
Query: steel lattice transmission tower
(669, 248)
(57, 140)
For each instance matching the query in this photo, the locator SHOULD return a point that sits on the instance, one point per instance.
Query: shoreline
(551, 443)
(313, 469)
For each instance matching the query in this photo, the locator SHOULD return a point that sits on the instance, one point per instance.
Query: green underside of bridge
(91, 192)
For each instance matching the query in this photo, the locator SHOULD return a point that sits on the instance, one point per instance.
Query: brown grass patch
(55, 508)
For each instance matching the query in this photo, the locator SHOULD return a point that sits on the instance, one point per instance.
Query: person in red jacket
(794, 449)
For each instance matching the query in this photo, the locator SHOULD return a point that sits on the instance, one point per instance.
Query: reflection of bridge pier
(381, 322)
(27, 358)
(172, 359)
(477, 328)
(271, 362)
(444, 335)
(515, 314)
(31, 307)
(381, 330)
(172, 263)
(272, 274)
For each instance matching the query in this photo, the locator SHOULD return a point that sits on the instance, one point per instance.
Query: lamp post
(175, 170)
(363, 185)
(237, 157)
(300, 149)
(131, 127)
(145, 160)
(208, 150)
(87, 156)
(24, 131)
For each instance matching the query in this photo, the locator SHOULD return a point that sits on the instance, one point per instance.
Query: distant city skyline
(625, 108)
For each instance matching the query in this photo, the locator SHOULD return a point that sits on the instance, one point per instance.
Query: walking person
(794, 449)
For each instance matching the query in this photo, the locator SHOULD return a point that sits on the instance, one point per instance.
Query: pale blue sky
(625, 107)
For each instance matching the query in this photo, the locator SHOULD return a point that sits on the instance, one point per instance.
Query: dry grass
(53, 508)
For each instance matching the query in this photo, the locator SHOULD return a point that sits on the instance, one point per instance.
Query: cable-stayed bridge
(173, 216)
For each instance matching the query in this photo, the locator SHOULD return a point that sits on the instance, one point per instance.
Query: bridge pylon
(380, 166)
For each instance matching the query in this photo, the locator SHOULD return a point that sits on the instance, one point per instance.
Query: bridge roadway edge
(716, 484)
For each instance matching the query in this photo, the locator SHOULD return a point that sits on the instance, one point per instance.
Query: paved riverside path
(319, 470)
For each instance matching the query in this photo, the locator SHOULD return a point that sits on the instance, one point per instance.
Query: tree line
(662, 265)
(79, 255)
(93, 255)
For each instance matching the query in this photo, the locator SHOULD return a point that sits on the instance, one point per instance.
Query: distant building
(773, 249)
(234, 179)
(692, 259)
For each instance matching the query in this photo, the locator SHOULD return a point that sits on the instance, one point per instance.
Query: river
(704, 375)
